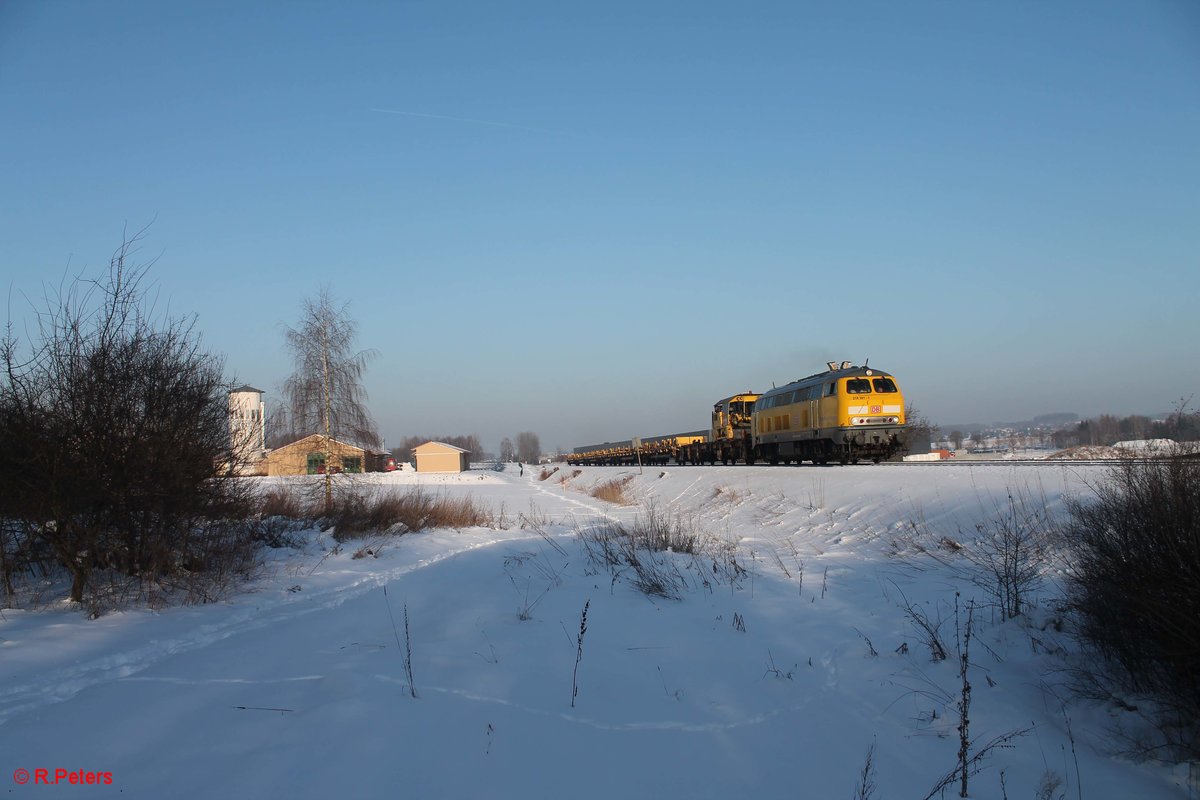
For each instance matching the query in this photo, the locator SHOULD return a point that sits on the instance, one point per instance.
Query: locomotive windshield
(866, 386)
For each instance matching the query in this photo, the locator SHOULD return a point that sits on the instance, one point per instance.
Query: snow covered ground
(772, 685)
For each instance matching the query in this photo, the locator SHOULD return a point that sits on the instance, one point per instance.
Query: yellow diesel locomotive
(846, 414)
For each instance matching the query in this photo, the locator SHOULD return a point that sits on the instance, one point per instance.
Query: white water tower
(247, 426)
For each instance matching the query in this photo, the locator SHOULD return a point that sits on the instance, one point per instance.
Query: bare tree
(325, 392)
(529, 449)
(921, 432)
(507, 452)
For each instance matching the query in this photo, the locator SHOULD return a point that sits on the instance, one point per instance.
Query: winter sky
(629, 210)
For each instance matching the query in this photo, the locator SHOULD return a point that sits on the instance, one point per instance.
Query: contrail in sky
(460, 119)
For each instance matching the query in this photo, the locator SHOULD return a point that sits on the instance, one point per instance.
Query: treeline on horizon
(1108, 429)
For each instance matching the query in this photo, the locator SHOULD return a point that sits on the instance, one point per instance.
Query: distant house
(307, 457)
(441, 457)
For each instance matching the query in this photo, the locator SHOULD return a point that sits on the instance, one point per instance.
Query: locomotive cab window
(831, 389)
(884, 385)
(858, 386)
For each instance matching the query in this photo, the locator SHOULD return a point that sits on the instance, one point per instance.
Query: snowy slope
(764, 687)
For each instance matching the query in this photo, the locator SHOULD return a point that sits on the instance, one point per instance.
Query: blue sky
(633, 208)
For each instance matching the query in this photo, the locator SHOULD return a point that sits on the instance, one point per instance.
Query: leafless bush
(1135, 585)
(546, 473)
(1010, 550)
(115, 432)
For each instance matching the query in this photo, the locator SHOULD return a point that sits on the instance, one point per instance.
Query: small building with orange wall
(441, 457)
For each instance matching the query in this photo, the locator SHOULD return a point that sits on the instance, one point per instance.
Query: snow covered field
(774, 684)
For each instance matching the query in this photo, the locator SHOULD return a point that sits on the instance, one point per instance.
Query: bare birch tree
(325, 393)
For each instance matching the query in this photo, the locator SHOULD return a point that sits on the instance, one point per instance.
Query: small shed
(441, 457)
(307, 457)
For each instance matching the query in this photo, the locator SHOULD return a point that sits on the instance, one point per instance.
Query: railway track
(1011, 462)
(950, 463)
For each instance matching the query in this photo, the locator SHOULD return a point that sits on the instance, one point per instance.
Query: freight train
(845, 414)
